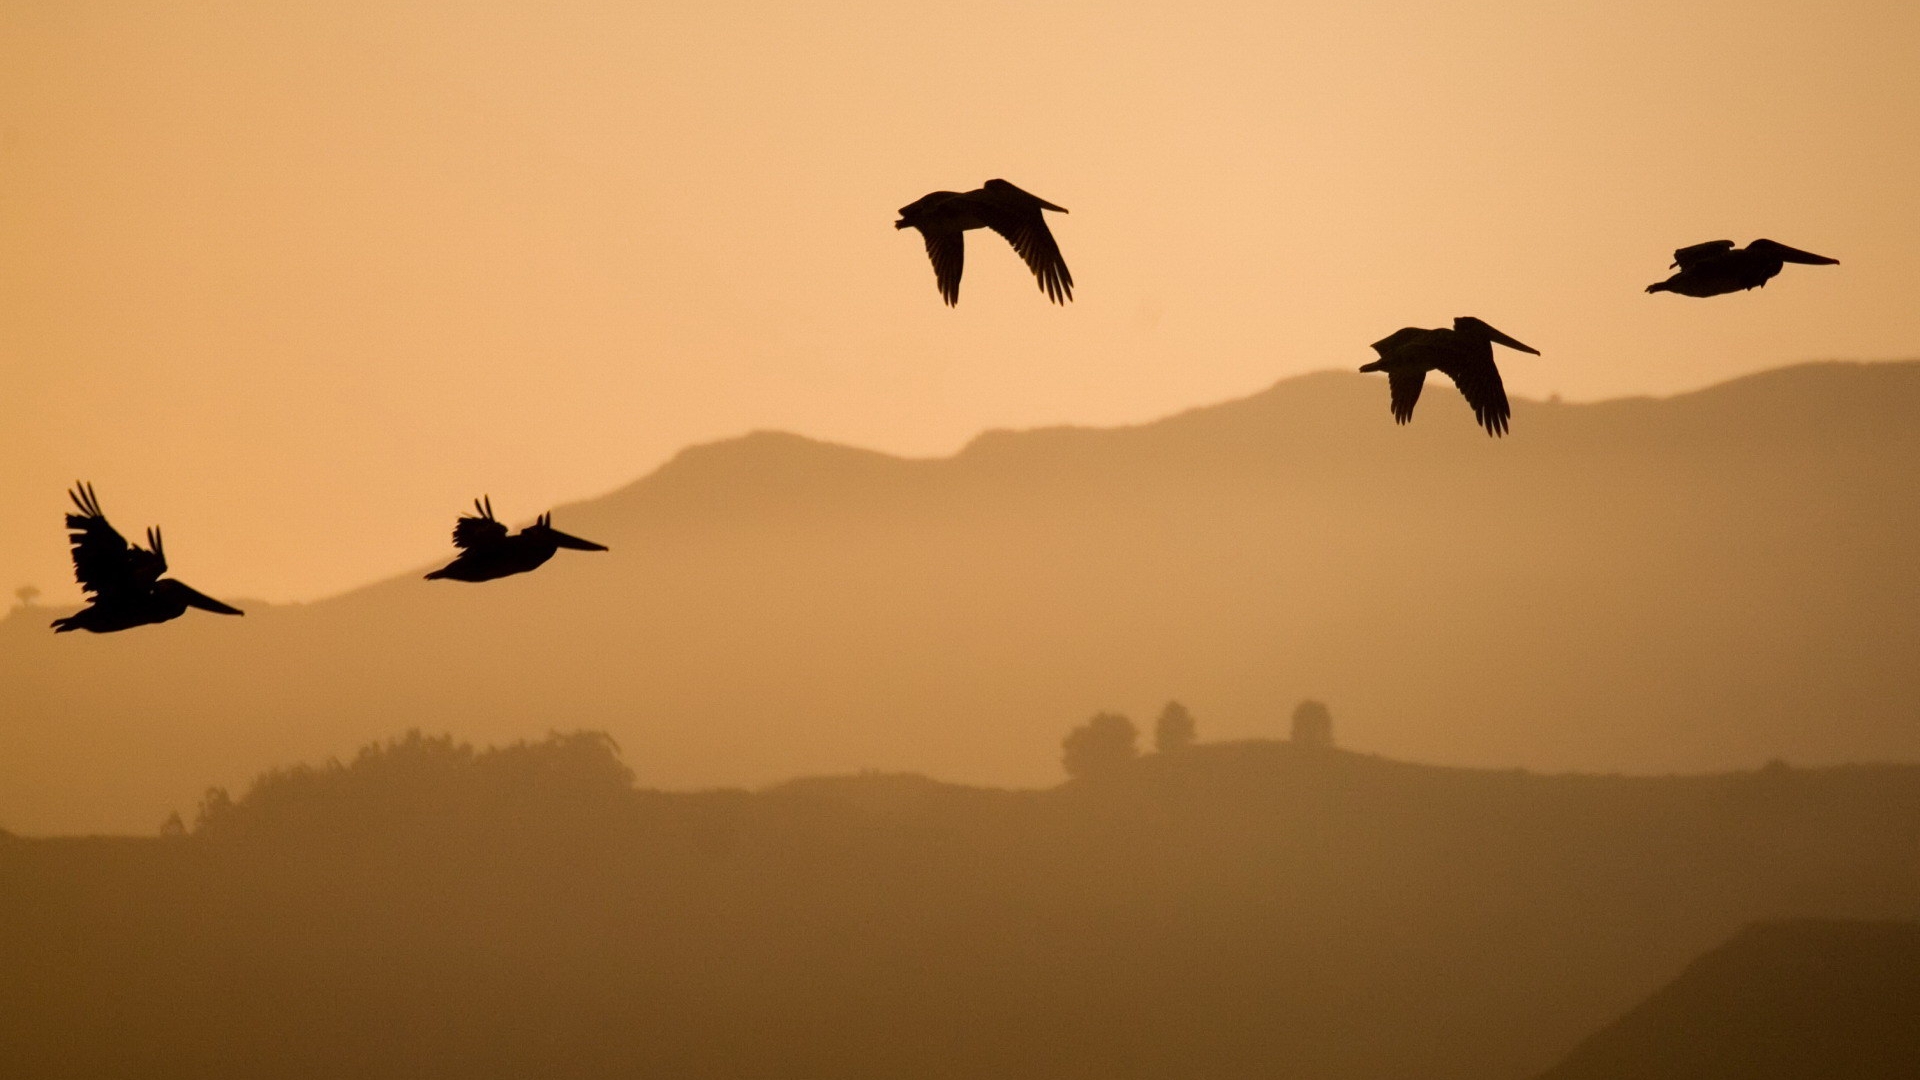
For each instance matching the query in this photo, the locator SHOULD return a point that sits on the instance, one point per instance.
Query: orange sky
(297, 280)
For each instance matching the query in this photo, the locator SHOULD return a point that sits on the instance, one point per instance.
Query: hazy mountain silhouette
(1248, 909)
(1706, 581)
(1801, 1000)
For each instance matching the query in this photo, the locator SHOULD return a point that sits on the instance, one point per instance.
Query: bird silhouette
(944, 217)
(1717, 267)
(122, 581)
(487, 552)
(1463, 353)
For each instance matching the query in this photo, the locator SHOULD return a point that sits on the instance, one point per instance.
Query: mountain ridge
(1676, 584)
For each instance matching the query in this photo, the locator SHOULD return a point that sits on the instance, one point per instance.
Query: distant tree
(1312, 724)
(1174, 730)
(27, 595)
(1100, 745)
(173, 828)
(215, 805)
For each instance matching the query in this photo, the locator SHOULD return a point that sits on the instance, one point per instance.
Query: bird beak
(204, 602)
(901, 224)
(575, 542)
(1511, 343)
(1045, 205)
(1795, 255)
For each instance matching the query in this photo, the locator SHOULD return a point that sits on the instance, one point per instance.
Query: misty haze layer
(1706, 581)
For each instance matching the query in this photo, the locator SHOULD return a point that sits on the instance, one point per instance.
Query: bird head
(181, 593)
(1793, 255)
(543, 528)
(1467, 324)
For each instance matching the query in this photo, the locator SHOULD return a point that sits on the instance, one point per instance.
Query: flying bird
(1717, 267)
(1464, 354)
(122, 581)
(487, 552)
(944, 216)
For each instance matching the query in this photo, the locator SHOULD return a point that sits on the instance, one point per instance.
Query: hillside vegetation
(1227, 910)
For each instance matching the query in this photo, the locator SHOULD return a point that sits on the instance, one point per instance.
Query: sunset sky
(298, 280)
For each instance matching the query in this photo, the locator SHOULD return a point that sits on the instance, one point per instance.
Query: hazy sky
(299, 279)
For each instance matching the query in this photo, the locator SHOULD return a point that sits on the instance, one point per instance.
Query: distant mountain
(1801, 1000)
(1699, 582)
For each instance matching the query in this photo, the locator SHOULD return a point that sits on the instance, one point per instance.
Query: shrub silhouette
(419, 781)
(1100, 745)
(1175, 729)
(1312, 724)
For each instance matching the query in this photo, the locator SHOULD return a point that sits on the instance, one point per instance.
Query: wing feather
(1027, 231)
(1479, 382)
(103, 561)
(478, 529)
(948, 250)
(1404, 385)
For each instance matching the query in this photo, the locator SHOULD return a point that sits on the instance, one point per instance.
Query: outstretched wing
(1479, 382)
(1015, 214)
(103, 561)
(948, 250)
(1404, 384)
(1688, 256)
(478, 529)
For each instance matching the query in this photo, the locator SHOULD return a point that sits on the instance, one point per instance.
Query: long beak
(195, 598)
(1511, 343)
(901, 224)
(575, 542)
(1795, 255)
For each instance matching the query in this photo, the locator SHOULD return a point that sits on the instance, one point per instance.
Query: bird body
(1717, 267)
(487, 552)
(1464, 353)
(122, 581)
(944, 217)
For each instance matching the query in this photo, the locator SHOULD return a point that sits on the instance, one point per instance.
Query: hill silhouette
(1245, 909)
(1692, 583)
(1801, 1000)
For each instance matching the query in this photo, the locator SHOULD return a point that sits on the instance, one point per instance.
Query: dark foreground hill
(1702, 582)
(1236, 910)
(1803, 1000)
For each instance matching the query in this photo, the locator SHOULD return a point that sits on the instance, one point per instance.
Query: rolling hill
(1235, 910)
(1807, 999)
(1700, 582)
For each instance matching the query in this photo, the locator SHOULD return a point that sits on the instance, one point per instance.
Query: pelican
(487, 552)
(1464, 354)
(1717, 267)
(944, 216)
(123, 580)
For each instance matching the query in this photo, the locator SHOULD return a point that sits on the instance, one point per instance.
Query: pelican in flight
(944, 216)
(122, 581)
(1464, 354)
(1717, 267)
(487, 552)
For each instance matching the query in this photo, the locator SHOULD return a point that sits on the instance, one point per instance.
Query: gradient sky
(297, 280)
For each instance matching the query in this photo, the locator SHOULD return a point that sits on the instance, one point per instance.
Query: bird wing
(948, 250)
(1479, 382)
(1015, 215)
(478, 529)
(103, 561)
(1399, 339)
(1404, 385)
(1694, 253)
